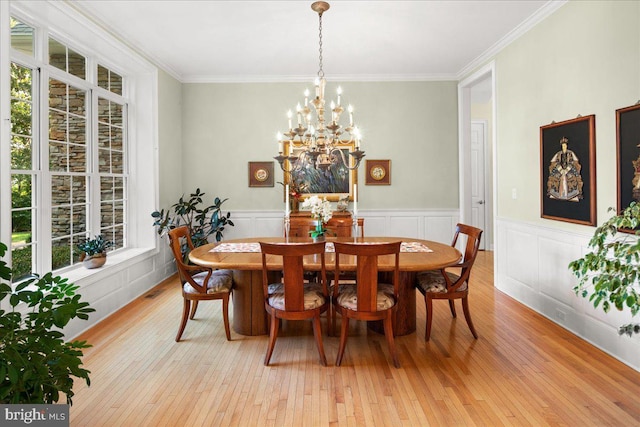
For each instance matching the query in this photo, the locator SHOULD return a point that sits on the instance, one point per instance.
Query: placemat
(255, 247)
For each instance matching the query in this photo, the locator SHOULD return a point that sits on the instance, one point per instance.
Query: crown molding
(544, 12)
(309, 78)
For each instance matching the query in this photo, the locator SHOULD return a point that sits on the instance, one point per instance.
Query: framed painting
(260, 174)
(628, 157)
(334, 182)
(568, 171)
(378, 172)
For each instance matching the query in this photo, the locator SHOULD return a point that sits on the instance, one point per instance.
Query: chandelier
(314, 141)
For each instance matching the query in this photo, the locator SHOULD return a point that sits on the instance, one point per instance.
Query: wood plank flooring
(523, 370)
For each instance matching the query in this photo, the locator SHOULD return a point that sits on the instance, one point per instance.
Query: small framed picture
(628, 157)
(260, 174)
(378, 172)
(568, 170)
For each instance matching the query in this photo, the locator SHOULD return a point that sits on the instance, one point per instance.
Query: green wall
(584, 59)
(414, 124)
(169, 139)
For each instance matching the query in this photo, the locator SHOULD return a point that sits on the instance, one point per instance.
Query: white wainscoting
(433, 224)
(532, 267)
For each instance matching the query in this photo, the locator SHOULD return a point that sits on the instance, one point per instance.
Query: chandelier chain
(320, 70)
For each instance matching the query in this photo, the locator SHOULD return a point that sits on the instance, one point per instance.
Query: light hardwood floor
(523, 370)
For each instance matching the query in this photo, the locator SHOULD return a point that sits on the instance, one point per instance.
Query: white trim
(545, 11)
(309, 78)
(464, 143)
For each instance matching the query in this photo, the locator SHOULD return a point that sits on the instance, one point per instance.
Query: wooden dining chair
(199, 283)
(294, 298)
(443, 284)
(366, 299)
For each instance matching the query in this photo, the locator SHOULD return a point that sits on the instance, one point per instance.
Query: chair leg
(194, 307)
(333, 320)
(388, 332)
(225, 316)
(344, 331)
(317, 331)
(273, 334)
(452, 307)
(429, 304)
(467, 315)
(185, 317)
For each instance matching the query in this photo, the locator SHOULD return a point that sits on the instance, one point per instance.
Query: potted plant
(93, 252)
(203, 221)
(37, 364)
(610, 273)
(321, 212)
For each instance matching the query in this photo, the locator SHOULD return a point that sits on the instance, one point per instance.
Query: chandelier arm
(357, 155)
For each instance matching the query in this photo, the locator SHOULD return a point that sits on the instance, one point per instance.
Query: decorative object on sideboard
(608, 275)
(93, 252)
(343, 204)
(314, 144)
(378, 172)
(568, 170)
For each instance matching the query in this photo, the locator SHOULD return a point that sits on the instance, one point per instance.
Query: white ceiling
(197, 41)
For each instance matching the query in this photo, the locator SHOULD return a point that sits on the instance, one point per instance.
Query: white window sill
(116, 261)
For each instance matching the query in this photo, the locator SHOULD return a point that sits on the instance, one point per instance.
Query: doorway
(476, 124)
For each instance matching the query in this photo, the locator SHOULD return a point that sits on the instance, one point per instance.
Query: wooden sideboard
(340, 224)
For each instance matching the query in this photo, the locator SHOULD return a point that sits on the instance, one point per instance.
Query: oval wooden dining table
(244, 258)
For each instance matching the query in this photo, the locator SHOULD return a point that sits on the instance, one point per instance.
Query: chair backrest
(367, 270)
(473, 236)
(177, 238)
(292, 255)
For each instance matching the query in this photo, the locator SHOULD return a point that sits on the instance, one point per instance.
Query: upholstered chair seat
(313, 296)
(434, 281)
(220, 281)
(348, 297)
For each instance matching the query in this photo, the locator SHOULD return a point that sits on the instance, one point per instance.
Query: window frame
(66, 25)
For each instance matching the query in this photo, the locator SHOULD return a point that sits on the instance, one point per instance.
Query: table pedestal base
(405, 323)
(249, 315)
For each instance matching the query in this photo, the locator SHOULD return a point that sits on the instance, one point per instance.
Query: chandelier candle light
(318, 144)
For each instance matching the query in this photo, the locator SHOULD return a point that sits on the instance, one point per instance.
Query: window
(23, 177)
(77, 168)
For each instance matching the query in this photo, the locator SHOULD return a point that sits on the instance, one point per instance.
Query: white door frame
(464, 145)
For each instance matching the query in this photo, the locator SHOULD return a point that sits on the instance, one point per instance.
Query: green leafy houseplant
(203, 221)
(610, 273)
(36, 363)
(93, 252)
(95, 246)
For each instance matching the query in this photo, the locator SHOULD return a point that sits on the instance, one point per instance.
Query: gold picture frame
(334, 183)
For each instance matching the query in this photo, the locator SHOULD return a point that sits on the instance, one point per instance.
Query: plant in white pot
(93, 252)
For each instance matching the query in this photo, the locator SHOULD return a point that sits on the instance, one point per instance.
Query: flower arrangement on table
(321, 211)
